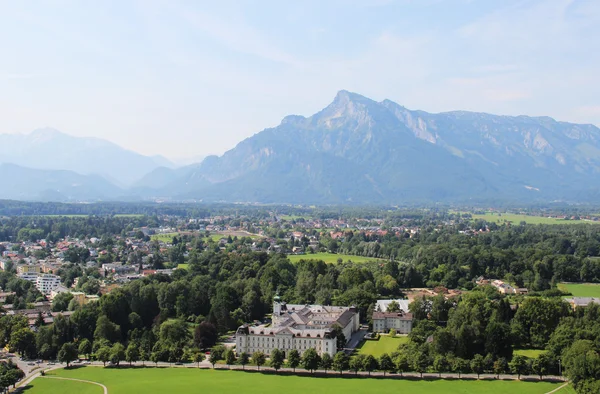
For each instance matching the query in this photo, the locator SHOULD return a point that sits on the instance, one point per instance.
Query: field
(385, 344)
(190, 380)
(531, 353)
(516, 219)
(329, 258)
(581, 289)
(166, 237)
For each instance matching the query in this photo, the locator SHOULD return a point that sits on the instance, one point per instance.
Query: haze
(186, 79)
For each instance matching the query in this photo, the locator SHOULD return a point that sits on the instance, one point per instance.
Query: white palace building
(299, 327)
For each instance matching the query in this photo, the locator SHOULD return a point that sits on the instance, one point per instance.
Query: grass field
(190, 380)
(330, 258)
(166, 237)
(581, 289)
(43, 385)
(531, 353)
(516, 219)
(385, 344)
(183, 266)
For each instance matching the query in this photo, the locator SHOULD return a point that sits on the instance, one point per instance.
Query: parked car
(30, 363)
(86, 363)
(51, 363)
(178, 363)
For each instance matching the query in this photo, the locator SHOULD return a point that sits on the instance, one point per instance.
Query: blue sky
(189, 78)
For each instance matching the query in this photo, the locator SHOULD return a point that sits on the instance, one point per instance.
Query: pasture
(385, 344)
(531, 353)
(500, 218)
(330, 258)
(191, 380)
(581, 289)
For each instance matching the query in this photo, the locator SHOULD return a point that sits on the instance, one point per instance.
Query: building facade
(45, 283)
(299, 327)
(400, 320)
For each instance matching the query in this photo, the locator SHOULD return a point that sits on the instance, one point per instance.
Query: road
(356, 339)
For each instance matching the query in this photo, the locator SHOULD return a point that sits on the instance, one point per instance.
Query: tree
(143, 355)
(420, 361)
(105, 329)
(293, 359)
(392, 332)
(340, 338)
(244, 359)
(401, 363)
(85, 347)
(541, 365)
(259, 359)
(326, 361)
(229, 357)
(369, 363)
(477, 364)
(67, 353)
(23, 341)
(117, 353)
(340, 362)
(393, 306)
(213, 358)
(277, 358)
(205, 335)
(103, 354)
(311, 360)
(198, 357)
(460, 365)
(440, 364)
(132, 354)
(500, 366)
(356, 363)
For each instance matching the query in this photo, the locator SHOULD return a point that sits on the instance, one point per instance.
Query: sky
(189, 78)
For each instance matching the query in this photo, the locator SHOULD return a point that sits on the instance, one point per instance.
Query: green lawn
(581, 289)
(330, 258)
(516, 219)
(191, 380)
(183, 266)
(48, 385)
(531, 353)
(166, 237)
(385, 344)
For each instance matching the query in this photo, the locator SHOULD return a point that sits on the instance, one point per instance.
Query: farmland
(529, 219)
(190, 380)
(330, 258)
(581, 289)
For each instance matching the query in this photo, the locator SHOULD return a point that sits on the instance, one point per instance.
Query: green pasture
(330, 258)
(517, 218)
(385, 344)
(581, 289)
(192, 380)
(531, 353)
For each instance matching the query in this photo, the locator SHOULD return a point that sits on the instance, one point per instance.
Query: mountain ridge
(48, 148)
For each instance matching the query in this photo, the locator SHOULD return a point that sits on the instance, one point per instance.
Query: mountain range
(49, 149)
(360, 151)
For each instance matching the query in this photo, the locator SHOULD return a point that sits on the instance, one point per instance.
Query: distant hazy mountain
(49, 149)
(19, 183)
(357, 150)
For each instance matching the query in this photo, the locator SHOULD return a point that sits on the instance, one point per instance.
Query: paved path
(77, 380)
(558, 388)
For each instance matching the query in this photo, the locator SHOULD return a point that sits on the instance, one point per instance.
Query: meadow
(581, 289)
(191, 380)
(330, 258)
(517, 218)
(385, 344)
(531, 353)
